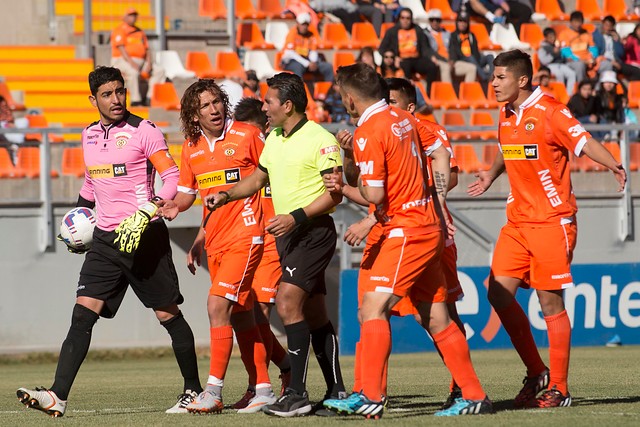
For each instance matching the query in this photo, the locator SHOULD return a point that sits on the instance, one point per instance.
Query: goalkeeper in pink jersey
(122, 154)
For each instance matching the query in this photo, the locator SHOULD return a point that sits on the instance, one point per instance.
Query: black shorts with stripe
(306, 252)
(107, 273)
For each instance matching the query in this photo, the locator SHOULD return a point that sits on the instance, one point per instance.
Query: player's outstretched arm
(486, 178)
(596, 152)
(194, 256)
(245, 188)
(169, 209)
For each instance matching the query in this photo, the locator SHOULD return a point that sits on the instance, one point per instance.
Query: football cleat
(319, 408)
(356, 404)
(257, 403)
(456, 393)
(43, 400)
(244, 400)
(206, 403)
(467, 407)
(290, 404)
(532, 386)
(183, 400)
(551, 398)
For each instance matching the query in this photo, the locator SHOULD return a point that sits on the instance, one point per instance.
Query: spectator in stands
(7, 121)
(300, 53)
(251, 86)
(611, 49)
(632, 48)
(542, 77)
(516, 12)
(344, 10)
(439, 41)
(566, 70)
(411, 47)
(366, 56)
(130, 53)
(585, 106)
(612, 103)
(576, 42)
(466, 57)
(388, 68)
(378, 11)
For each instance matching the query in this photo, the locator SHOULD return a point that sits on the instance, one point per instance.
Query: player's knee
(83, 318)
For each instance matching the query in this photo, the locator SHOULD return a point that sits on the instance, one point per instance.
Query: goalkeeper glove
(130, 229)
(71, 248)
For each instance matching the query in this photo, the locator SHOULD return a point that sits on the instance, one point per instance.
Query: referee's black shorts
(306, 252)
(107, 273)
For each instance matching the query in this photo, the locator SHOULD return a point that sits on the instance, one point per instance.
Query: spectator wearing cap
(411, 48)
(130, 53)
(611, 50)
(612, 103)
(439, 41)
(515, 12)
(566, 71)
(300, 54)
(465, 56)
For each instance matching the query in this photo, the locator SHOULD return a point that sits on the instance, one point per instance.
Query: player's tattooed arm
(440, 183)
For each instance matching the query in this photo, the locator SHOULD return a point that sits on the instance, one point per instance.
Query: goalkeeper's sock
(74, 349)
(184, 348)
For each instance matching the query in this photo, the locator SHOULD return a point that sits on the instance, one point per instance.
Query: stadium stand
(56, 98)
(483, 118)
(72, 162)
(42, 52)
(320, 89)
(165, 96)
(419, 13)
(482, 37)
(489, 153)
(46, 83)
(364, 35)
(467, 158)
(551, 10)
(531, 33)
(273, 9)
(455, 118)
(29, 162)
(228, 65)
(246, 10)
(6, 94)
(249, 36)
(590, 9)
(472, 94)
(506, 36)
(276, 33)
(259, 61)
(199, 63)
(108, 23)
(343, 58)
(634, 94)
(618, 9)
(335, 36)
(444, 96)
(444, 6)
(214, 9)
(7, 169)
(39, 121)
(102, 7)
(173, 67)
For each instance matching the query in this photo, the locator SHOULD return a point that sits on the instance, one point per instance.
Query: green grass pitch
(604, 383)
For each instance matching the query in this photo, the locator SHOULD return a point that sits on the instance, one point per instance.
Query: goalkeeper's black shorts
(107, 273)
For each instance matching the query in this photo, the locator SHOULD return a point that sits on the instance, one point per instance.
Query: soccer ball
(76, 228)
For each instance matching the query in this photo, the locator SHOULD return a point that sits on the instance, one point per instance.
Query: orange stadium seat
(618, 8)
(535, 61)
(491, 94)
(102, 7)
(634, 94)
(37, 51)
(531, 33)
(385, 26)
(489, 153)
(423, 91)
(6, 94)
(467, 158)
(106, 23)
(443, 96)
(558, 90)
(634, 156)
(273, 9)
(40, 121)
(214, 9)
(72, 162)
(320, 89)
(29, 162)
(165, 96)
(335, 36)
(482, 37)
(455, 118)
(250, 37)
(551, 9)
(443, 5)
(343, 58)
(7, 169)
(228, 64)
(590, 9)
(484, 118)
(246, 10)
(472, 94)
(199, 63)
(364, 35)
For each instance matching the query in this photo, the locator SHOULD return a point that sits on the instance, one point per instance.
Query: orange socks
(221, 346)
(516, 324)
(267, 338)
(559, 330)
(254, 356)
(455, 353)
(376, 346)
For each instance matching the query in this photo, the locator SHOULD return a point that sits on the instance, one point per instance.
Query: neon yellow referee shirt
(295, 164)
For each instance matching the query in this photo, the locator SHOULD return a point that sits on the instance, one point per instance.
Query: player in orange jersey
(268, 274)
(536, 245)
(217, 153)
(392, 179)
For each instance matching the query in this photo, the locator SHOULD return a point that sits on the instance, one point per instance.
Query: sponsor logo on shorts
(227, 285)
(520, 152)
(215, 178)
(269, 290)
(327, 150)
(81, 287)
(291, 270)
(107, 171)
(561, 276)
(379, 279)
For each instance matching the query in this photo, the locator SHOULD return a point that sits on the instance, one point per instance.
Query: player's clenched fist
(130, 230)
(214, 201)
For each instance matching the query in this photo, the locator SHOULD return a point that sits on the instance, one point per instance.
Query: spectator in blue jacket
(610, 48)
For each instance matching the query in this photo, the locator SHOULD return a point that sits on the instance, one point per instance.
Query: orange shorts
(401, 264)
(450, 270)
(539, 256)
(232, 273)
(267, 276)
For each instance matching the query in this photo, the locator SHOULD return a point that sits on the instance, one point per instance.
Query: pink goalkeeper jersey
(119, 176)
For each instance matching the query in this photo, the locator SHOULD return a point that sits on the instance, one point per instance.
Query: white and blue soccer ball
(76, 228)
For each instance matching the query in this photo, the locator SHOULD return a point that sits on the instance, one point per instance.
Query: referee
(297, 153)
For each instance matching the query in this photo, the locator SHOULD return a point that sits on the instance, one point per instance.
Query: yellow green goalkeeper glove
(130, 229)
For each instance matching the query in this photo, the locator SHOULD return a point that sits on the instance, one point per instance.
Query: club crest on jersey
(229, 152)
(121, 139)
(529, 124)
(362, 142)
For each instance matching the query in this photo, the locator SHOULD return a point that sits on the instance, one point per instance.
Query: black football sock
(325, 346)
(184, 348)
(298, 340)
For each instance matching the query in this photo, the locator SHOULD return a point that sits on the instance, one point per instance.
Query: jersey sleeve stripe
(580, 145)
(375, 183)
(187, 190)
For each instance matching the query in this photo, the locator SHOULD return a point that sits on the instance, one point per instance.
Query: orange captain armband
(162, 160)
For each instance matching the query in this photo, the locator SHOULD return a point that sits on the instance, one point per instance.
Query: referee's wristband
(299, 216)
(226, 195)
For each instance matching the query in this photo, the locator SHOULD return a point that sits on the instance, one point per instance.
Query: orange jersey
(268, 212)
(132, 38)
(407, 44)
(301, 44)
(216, 166)
(535, 143)
(387, 152)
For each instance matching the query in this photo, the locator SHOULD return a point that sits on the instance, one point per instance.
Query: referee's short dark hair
(290, 88)
(102, 75)
(360, 78)
(403, 86)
